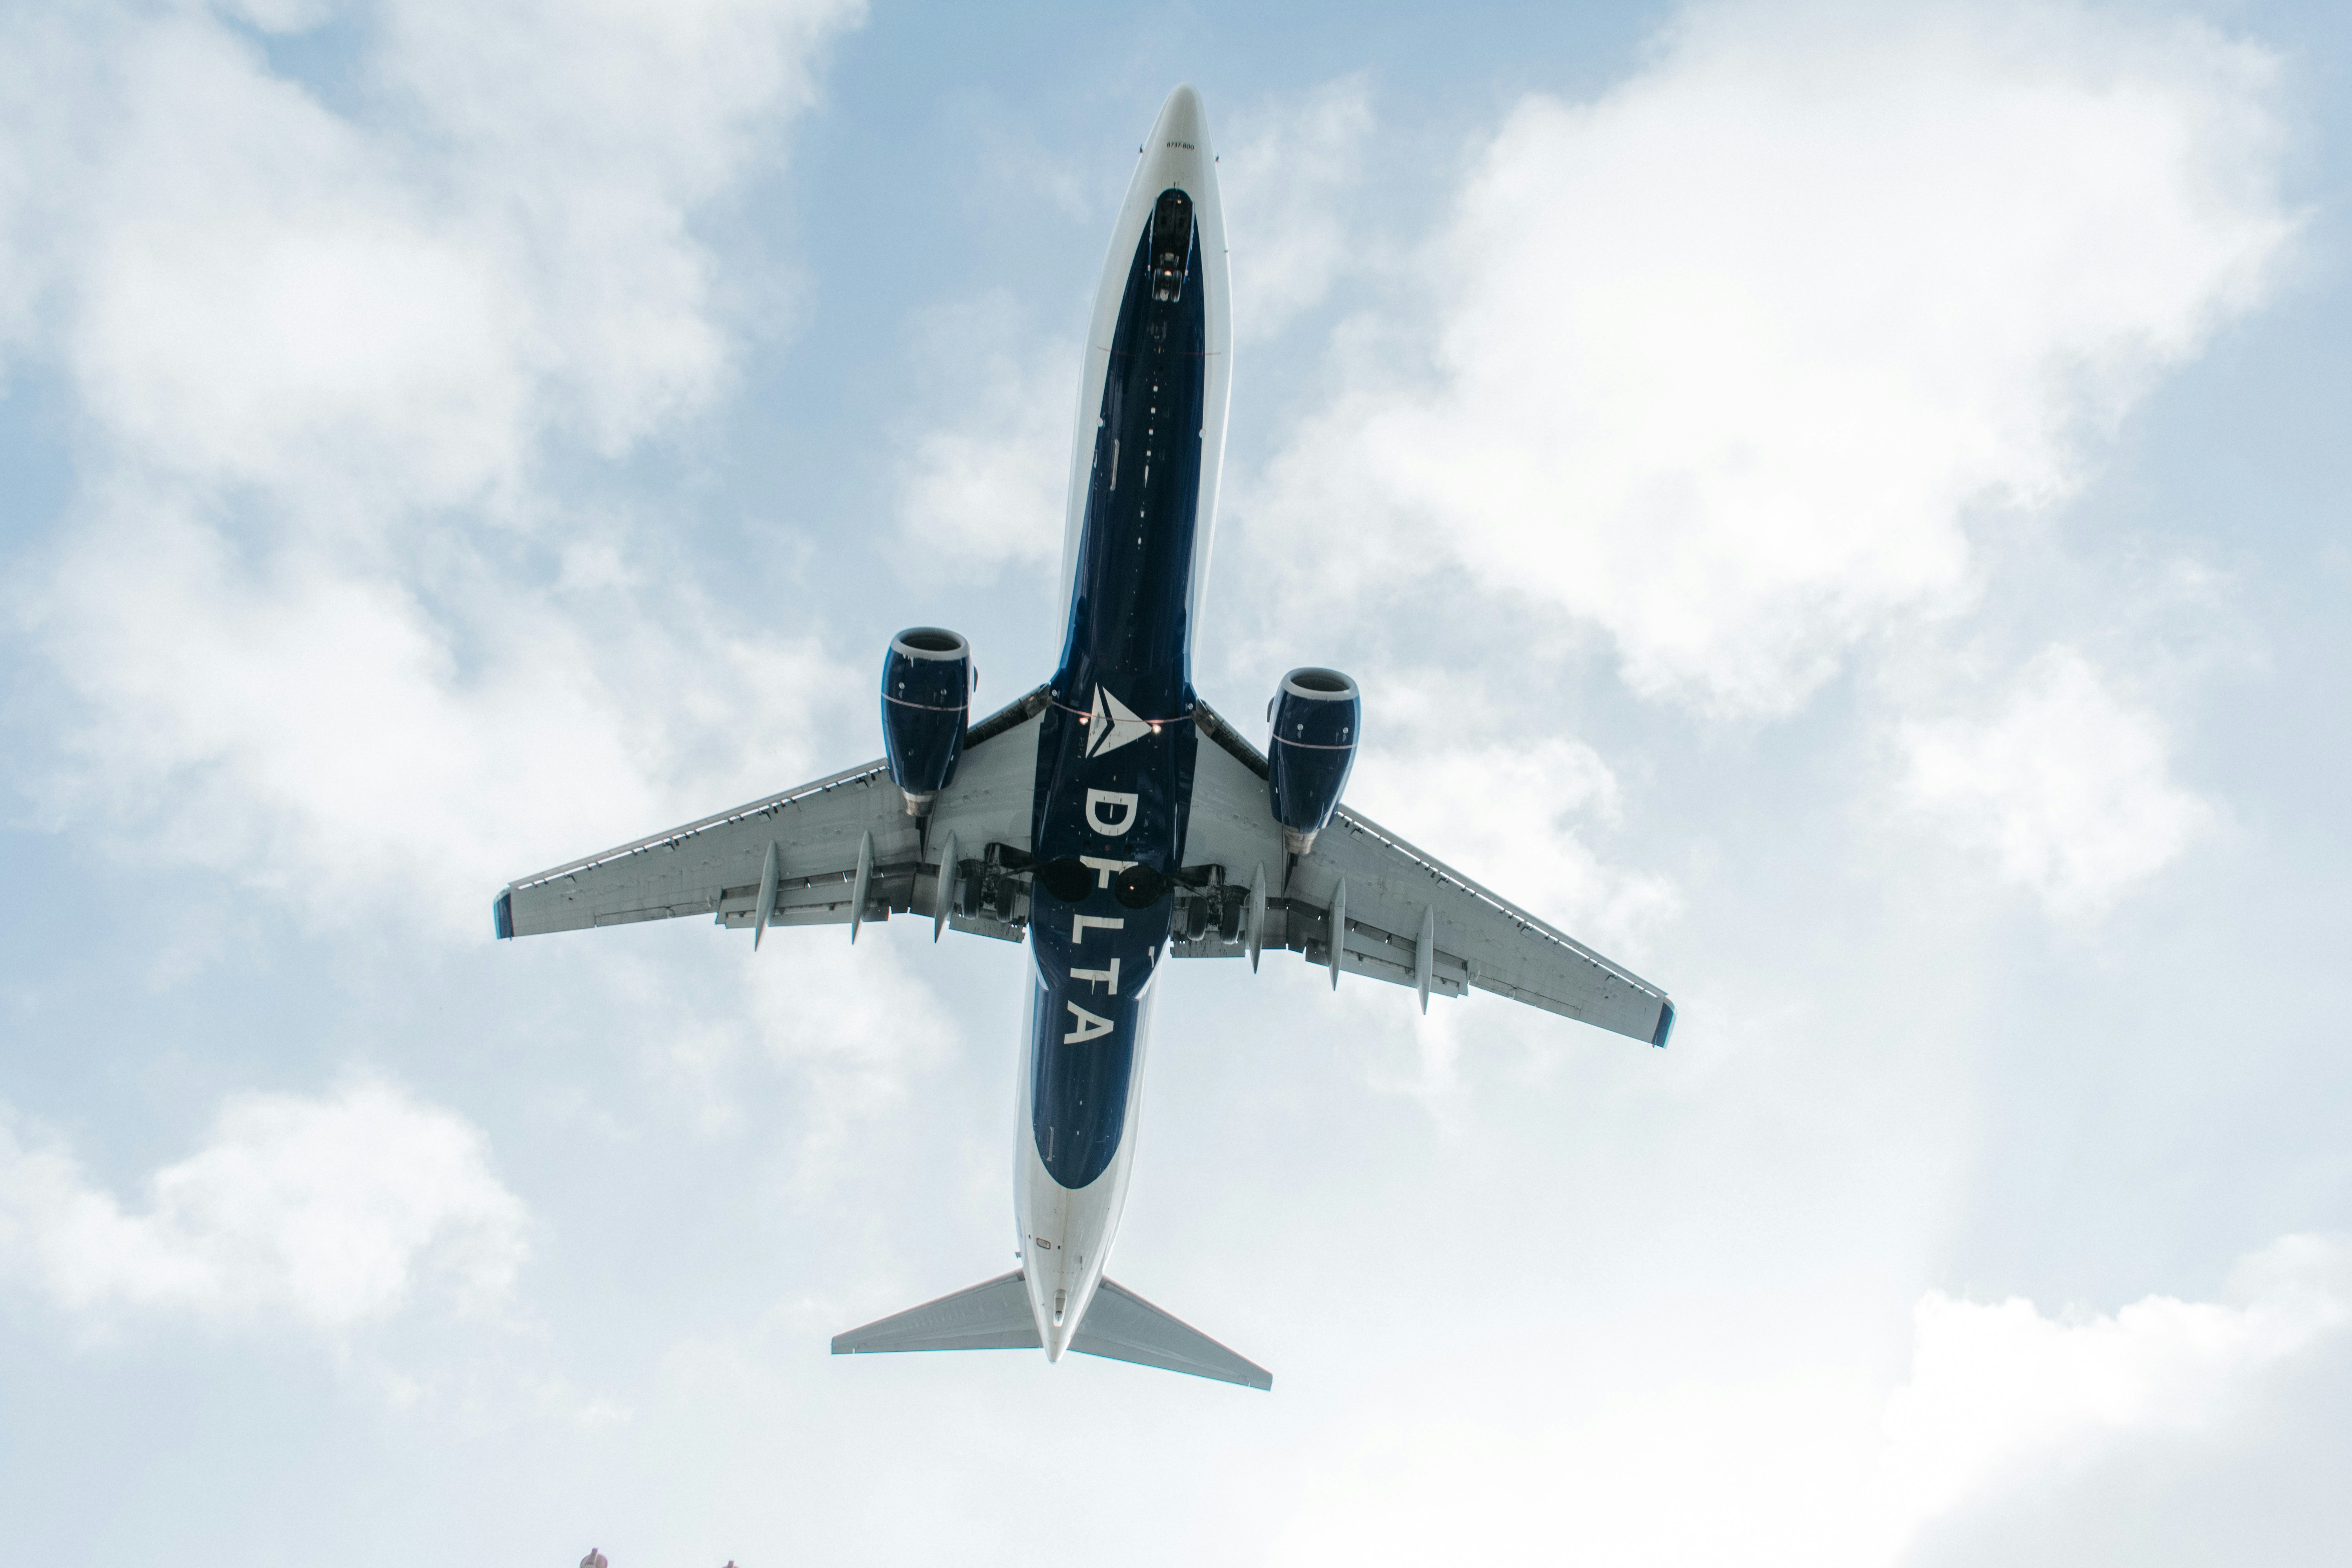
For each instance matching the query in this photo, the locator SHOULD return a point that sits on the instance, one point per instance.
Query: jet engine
(1316, 718)
(927, 681)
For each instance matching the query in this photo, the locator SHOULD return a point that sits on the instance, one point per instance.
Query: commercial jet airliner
(1109, 818)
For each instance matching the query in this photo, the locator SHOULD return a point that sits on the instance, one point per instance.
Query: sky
(1833, 505)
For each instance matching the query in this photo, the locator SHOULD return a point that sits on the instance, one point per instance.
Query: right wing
(1408, 918)
(810, 850)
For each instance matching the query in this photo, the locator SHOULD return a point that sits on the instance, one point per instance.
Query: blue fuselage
(1110, 791)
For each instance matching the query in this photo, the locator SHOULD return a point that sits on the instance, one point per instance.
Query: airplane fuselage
(1117, 746)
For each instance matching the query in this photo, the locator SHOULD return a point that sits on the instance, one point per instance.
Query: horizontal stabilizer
(1123, 1326)
(995, 1316)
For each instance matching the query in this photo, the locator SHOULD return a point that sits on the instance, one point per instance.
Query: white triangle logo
(1112, 725)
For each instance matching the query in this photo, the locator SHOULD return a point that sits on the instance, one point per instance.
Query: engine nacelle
(1316, 717)
(927, 681)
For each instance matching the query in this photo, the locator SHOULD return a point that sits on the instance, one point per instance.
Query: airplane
(1109, 818)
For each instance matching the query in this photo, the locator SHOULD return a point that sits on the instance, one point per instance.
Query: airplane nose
(1181, 119)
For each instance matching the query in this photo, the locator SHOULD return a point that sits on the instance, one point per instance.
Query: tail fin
(995, 1315)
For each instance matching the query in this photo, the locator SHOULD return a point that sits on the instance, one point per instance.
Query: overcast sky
(1842, 508)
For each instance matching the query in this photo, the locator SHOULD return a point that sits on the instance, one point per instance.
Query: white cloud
(851, 1026)
(1784, 1461)
(327, 732)
(1683, 1476)
(258, 293)
(1288, 172)
(986, 482)
(1998, 1389)
(1724, 361)
(1510, 815)
(333, 1211)
(2068, 789)
(1516, 816)
(324, 620)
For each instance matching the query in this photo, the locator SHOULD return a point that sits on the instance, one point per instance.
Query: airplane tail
(994, 1315)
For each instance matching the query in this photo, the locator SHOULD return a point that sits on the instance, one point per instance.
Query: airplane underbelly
(1117, 745)
(1066, 1232)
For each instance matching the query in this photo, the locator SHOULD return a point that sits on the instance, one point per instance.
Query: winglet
(1665, 1024)
(503, 914)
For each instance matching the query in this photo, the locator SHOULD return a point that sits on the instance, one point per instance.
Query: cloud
(1725, 362)
(353, 597)
(1778, 1461)
(1998, 1390)
(850, 1027)
(258, 294)
(335, 735)
(332, 1212)
(1513, 815)
(2068, 789)
(1287, 176)
(1519, 816)
(986, 484)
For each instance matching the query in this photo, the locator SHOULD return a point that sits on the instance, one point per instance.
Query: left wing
(839, 851)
